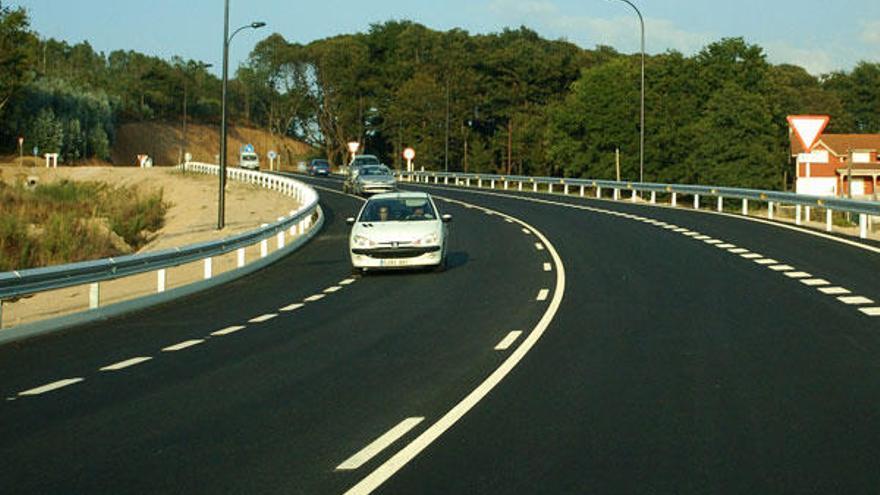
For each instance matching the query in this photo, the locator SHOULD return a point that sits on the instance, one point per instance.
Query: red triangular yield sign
(808, 128)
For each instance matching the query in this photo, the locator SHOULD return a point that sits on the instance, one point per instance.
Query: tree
(46, 132)
(14, 64)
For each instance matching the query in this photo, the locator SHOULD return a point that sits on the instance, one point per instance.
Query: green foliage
(14, 63)
(66, 221)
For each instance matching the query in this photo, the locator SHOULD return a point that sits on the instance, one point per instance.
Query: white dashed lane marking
(855, 300)
(781, 268)
(870, 311)
(539, 246)
(815, 282)
(526, 231)
(766, 261)
(751, 256)
(292, 307)
(227, 330)
(331, 290)
(725, 246)
(548, 267)
(797, 275)
(508, 340)
(51, 386)
(183, 345)
(379, 444)
(126, 364)
(316, 297)
(738, 250)
(833, 291)
(542, 295)
(347, 281)
(261, 319)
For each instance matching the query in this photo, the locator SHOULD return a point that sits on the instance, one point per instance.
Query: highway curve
(691, 353)
(179, 399)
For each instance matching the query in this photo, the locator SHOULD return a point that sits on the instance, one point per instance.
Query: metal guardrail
(863, 209)
(20, 283)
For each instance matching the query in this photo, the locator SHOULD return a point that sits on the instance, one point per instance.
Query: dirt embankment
(166, 144)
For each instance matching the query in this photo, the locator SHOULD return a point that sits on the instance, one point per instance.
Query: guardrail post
(696, 201)
(720, 204)
(520, 185)
(598, 192)
(209, 268)
(492, 184)
(550, 188)
(653, 197)
(280, 240)
(161, 277)
(634, 196)
(240, 257)
(582, 190)
(94, 295)
(770, 210)
(467, 182)
(480, 182)
(616, 194)
(565, 189)
(505, 184)
(807, 212)
(674, 199)
(446, 180)
(745, 210)
(535, 187)
(264, 248)
(828, 225)
(863, 225)
(797, 214)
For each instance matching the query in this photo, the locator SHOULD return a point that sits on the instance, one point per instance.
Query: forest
(506, 102)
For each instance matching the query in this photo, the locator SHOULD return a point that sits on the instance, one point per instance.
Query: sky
(819, 35)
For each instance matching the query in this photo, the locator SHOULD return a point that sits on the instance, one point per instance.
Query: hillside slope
(163, 141)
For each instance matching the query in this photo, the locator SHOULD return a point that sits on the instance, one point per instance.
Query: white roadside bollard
(807, 213)
(720, 204)
(240, 257)
(616, 194)
(797, 214)
(770, 210)
(598, 192)
(828, 225)
(94, 295)
(674, 199)
(863, 226)
(161, 278)
(209, 268)
(653, 197)
(634, 197)
(520, 185)
(535, 187)
(280, 240)
(582, 191)
(745, 209)
(696, 201)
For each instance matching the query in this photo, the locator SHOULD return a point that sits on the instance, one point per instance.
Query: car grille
(398, 252)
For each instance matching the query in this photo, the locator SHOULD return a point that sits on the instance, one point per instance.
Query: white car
(398, 230)
(249, 160)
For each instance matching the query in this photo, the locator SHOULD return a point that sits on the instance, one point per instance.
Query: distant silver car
(370, 179)
(398, 230)
(249, 160)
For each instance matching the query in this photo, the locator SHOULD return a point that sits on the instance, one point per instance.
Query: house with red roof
(844, 165)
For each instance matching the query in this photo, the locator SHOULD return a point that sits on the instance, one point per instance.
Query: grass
(64, 222)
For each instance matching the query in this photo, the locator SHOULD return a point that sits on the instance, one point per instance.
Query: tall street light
(642, 124)
(221, 215)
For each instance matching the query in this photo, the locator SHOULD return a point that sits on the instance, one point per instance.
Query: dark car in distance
(319, 166)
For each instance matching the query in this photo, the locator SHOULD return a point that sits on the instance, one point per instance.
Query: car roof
(400, 195)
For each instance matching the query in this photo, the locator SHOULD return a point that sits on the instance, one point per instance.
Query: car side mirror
(446, 218)
(349, 220)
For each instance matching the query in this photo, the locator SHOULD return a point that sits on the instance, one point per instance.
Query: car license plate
(395, 262)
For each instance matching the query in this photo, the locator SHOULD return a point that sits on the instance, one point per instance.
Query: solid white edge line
(51, 386)
(183, 345)
(228, 330)
(378, 445)
(125, 364)
(411, 450)
(508, 340)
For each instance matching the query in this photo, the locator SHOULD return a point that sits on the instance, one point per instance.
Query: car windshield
(398, 210)
(366, 160)
(320, 163)
(249, 157)
(373, 171)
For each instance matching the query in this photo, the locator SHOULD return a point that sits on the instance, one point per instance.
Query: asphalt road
(673, 365)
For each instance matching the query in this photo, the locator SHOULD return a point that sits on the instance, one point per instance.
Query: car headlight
(362, 242)
(429, 240)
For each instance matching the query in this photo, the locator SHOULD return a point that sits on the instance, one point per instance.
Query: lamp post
(642, 122)
(221, 214)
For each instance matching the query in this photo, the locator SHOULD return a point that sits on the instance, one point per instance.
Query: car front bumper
(390, 258)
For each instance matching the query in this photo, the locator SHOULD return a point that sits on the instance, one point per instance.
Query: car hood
(403, 232)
